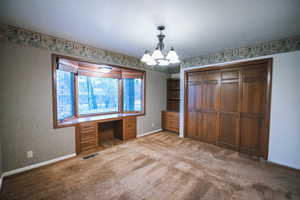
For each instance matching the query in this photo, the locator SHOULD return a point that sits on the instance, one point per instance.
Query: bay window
(82, 89)
(132, 96)
(97, 95)
(65, 94)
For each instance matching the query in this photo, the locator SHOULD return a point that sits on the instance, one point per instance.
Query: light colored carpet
(158, 166)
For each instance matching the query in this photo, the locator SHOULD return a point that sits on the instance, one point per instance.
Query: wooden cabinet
(87, 136)
(170, 121)
(129, 128)
(230, 106)
(173, 94)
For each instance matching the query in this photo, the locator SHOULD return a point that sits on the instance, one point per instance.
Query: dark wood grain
(229, 109)
(203, 106)
(230, 105)
(170, 121)
(254, 90)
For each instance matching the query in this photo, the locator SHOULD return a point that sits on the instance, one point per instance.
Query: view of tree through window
(132, 94)
(82, 89)
(64, 94)
(97, 95)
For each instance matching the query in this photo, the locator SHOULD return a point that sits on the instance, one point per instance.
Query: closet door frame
(269, 63)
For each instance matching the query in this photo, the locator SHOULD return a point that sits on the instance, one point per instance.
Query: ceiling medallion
(158, 57)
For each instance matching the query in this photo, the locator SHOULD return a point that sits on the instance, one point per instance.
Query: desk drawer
(87, 137)
(88, 129)
(129, 128)
(86, 146)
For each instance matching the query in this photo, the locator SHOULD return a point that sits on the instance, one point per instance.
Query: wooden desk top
(98, 118)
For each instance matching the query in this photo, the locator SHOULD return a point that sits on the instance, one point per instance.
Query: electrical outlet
(29, 154)
(153, 124)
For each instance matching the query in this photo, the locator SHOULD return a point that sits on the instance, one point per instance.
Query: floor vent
(89, 156)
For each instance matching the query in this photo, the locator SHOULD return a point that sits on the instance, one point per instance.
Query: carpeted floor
(158, 166)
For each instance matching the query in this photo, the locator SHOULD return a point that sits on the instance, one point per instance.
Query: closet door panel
(191, 98)
(253, 110)
(229, 110)
(210, 96)
(229, 131)
(210, 106)
(253, 97)
(192, 129)
(198, 97)
(229, 116)
(250, 136)
(192, 114)
(200, 128)
(230, 96)
(194, 117)
(210, 127)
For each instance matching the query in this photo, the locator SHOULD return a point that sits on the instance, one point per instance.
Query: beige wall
(26, 111)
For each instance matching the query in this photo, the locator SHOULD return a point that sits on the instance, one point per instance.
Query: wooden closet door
(229, 109)
(210, 106)
(194, 117)
(254, 90)
(230, 106)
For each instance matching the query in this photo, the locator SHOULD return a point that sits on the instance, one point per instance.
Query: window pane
(132, 94)
(97, 95)
(64, 94)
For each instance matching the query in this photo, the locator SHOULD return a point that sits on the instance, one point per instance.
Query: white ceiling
(194, 27)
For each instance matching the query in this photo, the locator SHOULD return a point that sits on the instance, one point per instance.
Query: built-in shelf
(173, 93)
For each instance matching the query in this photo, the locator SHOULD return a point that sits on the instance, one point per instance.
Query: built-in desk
(92, 131)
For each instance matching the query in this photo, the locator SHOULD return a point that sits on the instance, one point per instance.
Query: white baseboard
(143, 134)
(23, 169)
(282, 165)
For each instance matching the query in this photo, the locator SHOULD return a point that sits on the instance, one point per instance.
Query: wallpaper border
(25, 37)
(262, 49)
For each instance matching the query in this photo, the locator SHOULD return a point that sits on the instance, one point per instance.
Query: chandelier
(158, 57)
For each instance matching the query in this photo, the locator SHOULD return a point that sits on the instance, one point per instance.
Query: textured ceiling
(129, 26)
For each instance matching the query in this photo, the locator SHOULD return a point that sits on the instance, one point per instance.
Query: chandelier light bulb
(151, 61)
(146, 57)
(172, 55)
(157, 54)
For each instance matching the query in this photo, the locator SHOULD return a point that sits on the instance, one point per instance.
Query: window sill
(98, 118)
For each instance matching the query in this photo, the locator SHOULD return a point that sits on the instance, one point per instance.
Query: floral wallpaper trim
(25, 37)
(263, 49)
